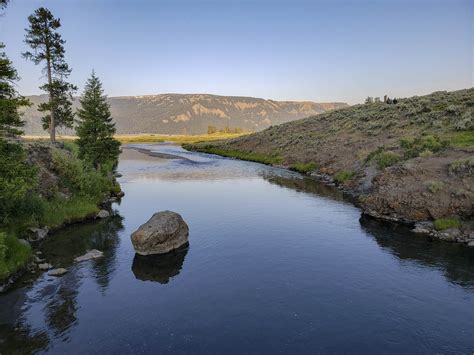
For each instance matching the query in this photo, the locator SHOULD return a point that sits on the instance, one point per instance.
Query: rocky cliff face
(191, 114)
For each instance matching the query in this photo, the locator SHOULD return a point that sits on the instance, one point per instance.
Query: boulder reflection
(454, 260)
(159, 268)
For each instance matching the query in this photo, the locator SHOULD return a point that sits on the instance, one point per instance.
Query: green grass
(414, 146)
(58, 212)
(446, 223)
(304, 168)
(250, 156)
(461, 139)
(13, 254)
(343, 176)
(383, 158)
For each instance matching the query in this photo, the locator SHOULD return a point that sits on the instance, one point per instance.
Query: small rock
(39, 260)
(91, 254)
(120, 194)
(45, 266)
(423, 228)
(39, 252)
(38, 233)
(57, 272)
(103, 214)
(471, 243)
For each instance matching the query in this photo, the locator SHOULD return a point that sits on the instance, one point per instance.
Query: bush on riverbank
(13, 254)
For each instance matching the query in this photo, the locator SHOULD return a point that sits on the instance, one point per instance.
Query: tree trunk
(52, 128)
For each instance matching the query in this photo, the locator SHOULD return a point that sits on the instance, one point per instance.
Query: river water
(276, 263)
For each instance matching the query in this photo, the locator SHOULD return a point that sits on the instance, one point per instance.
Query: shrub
(462, 167)
(414, 146)
(383, 158)
(434, 186)
(304, 168)
(343, 176)
(446, 223)
(17, 180)
(13, 254)
(81, 178)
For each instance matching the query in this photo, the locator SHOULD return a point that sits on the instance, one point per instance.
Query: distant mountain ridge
(191, 113)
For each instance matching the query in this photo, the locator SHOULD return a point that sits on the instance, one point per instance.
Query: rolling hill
(410, 162)
(191, 113)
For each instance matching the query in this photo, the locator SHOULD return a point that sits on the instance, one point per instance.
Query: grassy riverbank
(401, 160)
(153, 138)
(63, 189)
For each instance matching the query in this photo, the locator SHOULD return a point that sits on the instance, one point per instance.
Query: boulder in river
(164, 232)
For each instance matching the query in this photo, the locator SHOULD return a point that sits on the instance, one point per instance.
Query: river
(276, 263)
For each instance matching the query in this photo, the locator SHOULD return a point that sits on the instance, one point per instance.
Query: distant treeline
(226, 129)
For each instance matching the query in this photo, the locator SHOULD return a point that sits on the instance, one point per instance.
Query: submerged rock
(57, 272)
(91, 254)
(164, 232)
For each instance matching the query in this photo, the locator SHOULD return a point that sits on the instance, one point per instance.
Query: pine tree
(48, 48)
(95, 128)
(10, 101)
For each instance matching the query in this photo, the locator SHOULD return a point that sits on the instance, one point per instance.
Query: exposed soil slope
(411, 161)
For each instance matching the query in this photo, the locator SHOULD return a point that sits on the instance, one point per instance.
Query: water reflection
(159, 268)
(454, 260)
(305, 184)
(54, 301)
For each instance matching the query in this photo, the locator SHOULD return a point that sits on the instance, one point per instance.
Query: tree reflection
(456, 261)
(159, 268)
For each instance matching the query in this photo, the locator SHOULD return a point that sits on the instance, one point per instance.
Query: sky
(283, 50)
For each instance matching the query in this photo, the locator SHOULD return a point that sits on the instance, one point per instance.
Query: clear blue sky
(294, 50)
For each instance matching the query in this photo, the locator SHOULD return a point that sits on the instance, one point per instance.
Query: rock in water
(164, 231)
(103, 214)
(57, 272)
(91, 254)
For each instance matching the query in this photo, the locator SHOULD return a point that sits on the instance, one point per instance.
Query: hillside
(410, 162)
(191, 114)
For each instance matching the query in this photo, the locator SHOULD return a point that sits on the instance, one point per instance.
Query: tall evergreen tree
(48, 48)
(95, 128)
(10, 101)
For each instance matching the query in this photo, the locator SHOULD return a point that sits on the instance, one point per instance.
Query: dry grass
(152, 138)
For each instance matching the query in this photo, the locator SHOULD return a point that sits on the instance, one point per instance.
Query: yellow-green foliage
(250, 156)
(82, 179)
(461, 139)
(343, 176)
(304, 168)
(446, 223)
(414, 146)
(13, 254)
(434, 186)
(59, 211)
(180, 139)
(383, 158)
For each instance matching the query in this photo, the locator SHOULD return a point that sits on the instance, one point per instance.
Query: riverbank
(62, 190)
(152, 138)
(410, 163)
